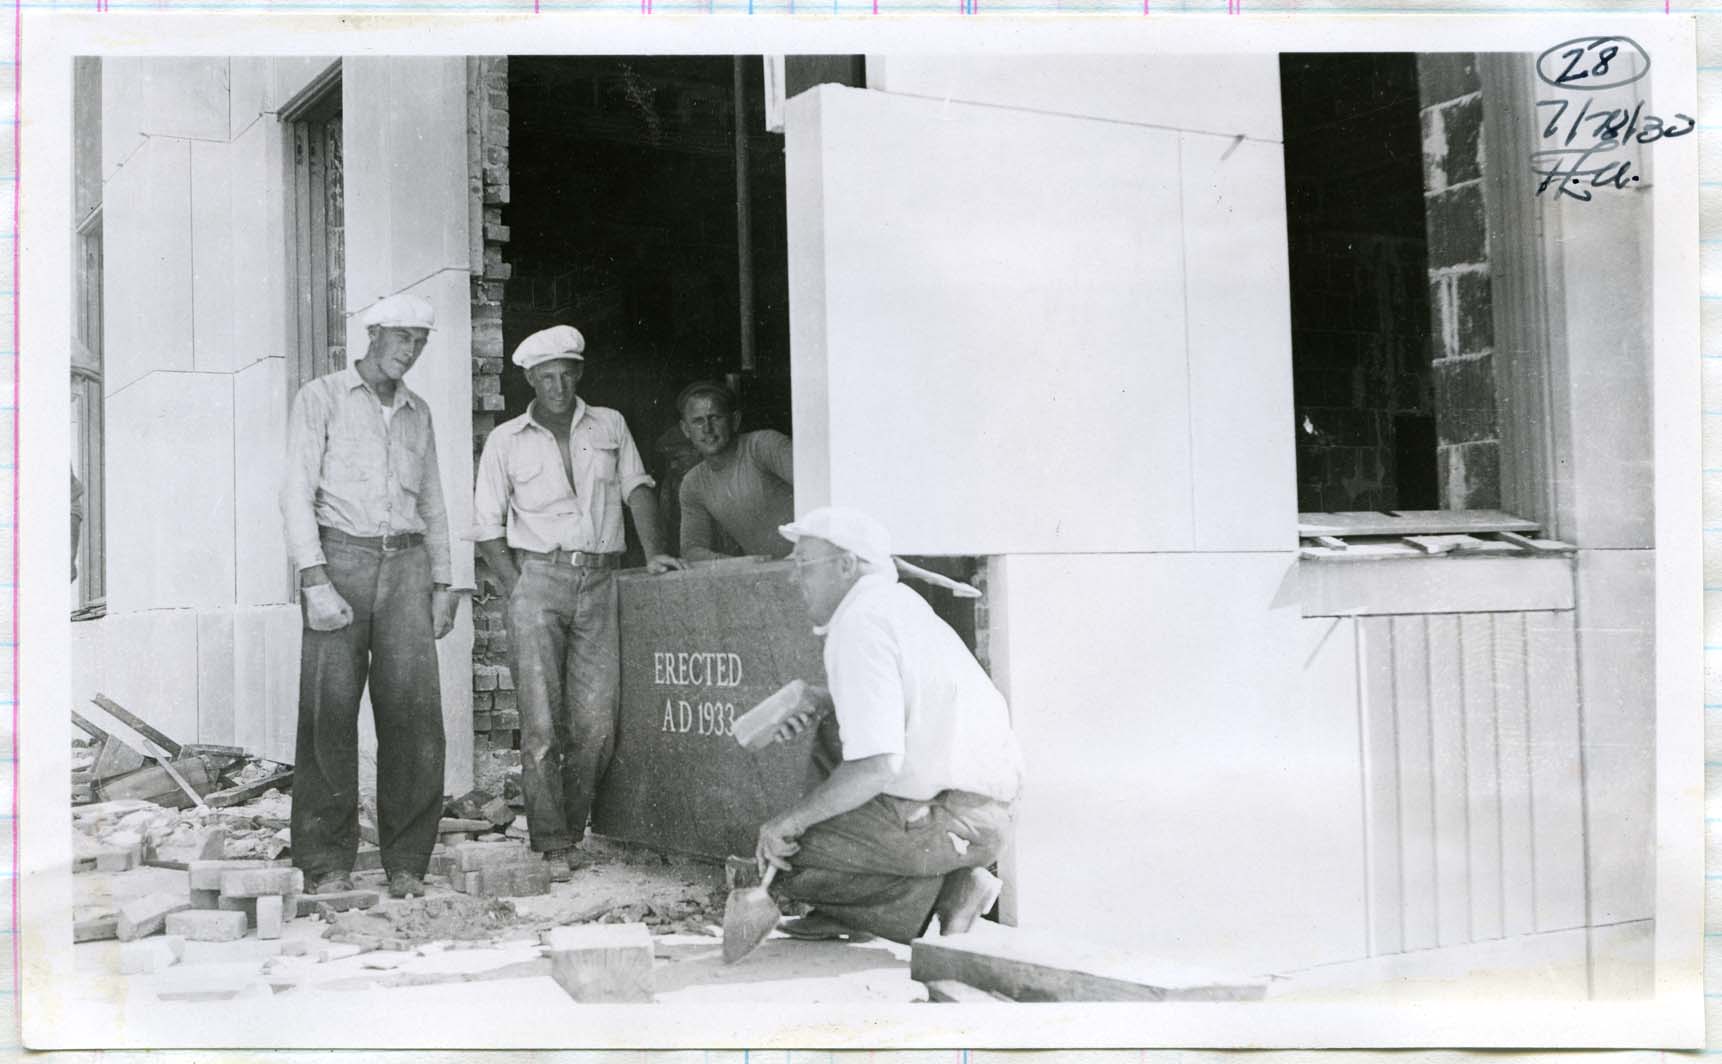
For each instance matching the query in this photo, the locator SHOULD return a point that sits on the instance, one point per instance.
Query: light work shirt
(351, 470)
(748, 493)
(522, 487)
(905, 686)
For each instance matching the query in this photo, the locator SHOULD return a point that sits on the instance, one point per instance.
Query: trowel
(748, 916)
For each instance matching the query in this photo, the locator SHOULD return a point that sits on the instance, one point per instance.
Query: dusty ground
(680, 901)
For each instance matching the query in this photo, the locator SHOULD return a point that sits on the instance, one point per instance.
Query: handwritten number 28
(1599, 69)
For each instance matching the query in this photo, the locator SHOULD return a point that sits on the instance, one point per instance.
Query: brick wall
(1462, 325)
(1359, 283)
(495, 720)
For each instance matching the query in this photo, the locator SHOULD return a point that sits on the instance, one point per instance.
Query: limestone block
(602, 962)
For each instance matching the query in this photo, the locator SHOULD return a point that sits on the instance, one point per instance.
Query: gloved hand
(443, 605)
(325, 609)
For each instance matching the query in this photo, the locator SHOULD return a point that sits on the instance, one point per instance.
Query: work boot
(335, 883)
(964, 897)
(405, 885)
(819, 927)
(561, 864)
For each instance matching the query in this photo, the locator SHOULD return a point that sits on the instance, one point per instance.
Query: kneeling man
(920, 804)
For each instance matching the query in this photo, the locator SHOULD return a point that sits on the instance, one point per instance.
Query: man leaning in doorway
(368, 533)
(920, 804)
(547, 516)
(744, 484)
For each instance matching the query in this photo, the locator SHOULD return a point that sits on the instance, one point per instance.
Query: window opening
(88, 406)
(316, 216)
(1398, 424)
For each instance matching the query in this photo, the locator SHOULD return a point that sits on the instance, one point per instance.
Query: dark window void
(624, 223)
(1361, 377)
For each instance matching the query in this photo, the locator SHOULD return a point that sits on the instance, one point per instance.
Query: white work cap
(558, 341)
(848, 528)
(401, 311)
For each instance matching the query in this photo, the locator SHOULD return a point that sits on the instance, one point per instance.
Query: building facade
(1042, 314)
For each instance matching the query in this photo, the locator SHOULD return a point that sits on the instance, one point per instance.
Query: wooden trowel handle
(770, 874)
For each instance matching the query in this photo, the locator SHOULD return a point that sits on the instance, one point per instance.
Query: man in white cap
(547, 517)
(905, 825)
(368, 534)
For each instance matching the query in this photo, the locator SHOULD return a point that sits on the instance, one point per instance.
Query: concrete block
(471, 855)
(258, 882)
(151, 954)
(457, 825)
(205, 875)
(148, 915)
(269, 916)
(602, 962)
(248, 906)
(207, 925)
(205, 899)
(95, 928)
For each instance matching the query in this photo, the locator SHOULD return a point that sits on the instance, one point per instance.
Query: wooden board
(1482, 779)
(137, 724)
(1338, 586)
(1518, 865)
(1026, 966)
(1374, 637)
(677, 780)
(1411, 523)
(1416, 779)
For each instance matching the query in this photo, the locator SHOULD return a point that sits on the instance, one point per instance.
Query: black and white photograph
(821, 540)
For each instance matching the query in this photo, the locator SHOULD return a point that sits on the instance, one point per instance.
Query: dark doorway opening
(1363, 386)
(625, 222)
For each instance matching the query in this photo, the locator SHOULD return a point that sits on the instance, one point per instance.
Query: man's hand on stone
(325, 609)
(663, 563)
(776, 844)
(443, 606)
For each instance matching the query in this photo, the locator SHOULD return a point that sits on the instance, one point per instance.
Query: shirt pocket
(409, 468)
(605, 458)
(537, 488)
(348, 455)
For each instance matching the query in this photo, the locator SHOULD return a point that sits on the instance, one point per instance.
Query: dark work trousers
(390, 644)
(879, 868)
(563, 638)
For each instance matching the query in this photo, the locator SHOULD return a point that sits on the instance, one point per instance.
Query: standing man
(745, 484)
(368, 533)
(921, 803)
(553, 482)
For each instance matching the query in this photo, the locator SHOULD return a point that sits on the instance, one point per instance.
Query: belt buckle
(390, 541)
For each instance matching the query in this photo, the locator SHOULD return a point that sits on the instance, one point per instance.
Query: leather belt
(579, 559)
(394, 541)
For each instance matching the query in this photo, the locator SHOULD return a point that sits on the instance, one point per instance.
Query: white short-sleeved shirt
(904, 685)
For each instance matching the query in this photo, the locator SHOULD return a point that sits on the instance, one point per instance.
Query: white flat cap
(558, 341)
(402, 311)
(848, 528)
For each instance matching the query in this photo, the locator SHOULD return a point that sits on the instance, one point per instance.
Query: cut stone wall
(1468, 444)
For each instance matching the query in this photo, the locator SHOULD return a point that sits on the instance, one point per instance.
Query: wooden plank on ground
(88, 727)
(1037, 966)
(137, 724)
